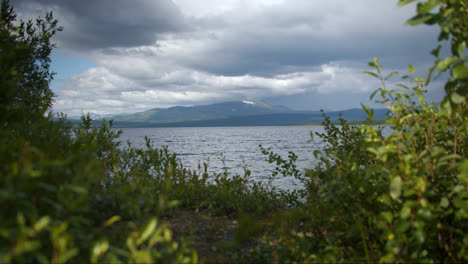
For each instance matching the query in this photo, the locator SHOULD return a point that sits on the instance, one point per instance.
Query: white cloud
(101, 90)
(219, 50)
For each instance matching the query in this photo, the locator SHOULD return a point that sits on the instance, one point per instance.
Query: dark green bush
(401, 197)
(59, 195)
(71, 194)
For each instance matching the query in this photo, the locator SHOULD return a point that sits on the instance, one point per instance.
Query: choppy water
(233, 148)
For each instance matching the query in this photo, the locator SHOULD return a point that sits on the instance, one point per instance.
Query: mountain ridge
(203, 112)
(234, 113)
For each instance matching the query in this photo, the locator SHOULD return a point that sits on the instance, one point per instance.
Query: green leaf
(27, 246)
(405, 2)
(395, 187)
(77, 189)
(173, 204)
(112, 220)
(99, 249)
(390, 75)
(436, 51)
(460, 71)
(372, 73)
(457, 98)
(445, 63)
(419, 19)
(373, 94)
(43, 222)
(387, 216)
(429, 74)
(461, 49)
(461, 203)
(411, 69)
(405, 212)
(148, 230)
(444, 202)
(403, 86)
(67, 255)
(427, 7)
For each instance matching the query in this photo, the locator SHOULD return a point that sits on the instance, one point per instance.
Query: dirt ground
(213, 237)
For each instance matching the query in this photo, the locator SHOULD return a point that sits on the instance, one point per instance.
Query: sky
(120, 56)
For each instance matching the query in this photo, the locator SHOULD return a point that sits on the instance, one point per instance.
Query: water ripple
(233, 148)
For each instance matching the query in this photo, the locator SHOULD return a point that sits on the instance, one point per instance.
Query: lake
(232, 149)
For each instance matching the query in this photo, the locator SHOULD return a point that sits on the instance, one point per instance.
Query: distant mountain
(203, 112)
(236, 113)
(93, 116)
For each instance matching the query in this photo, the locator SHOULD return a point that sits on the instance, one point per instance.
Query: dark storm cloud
(264, 41)
(297, 34)
(93, 24)
(159, 53)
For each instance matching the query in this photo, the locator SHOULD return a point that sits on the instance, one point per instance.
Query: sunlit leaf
(405, 212)
(395, 187)
(460, 72)
(457, 98)
(99, 249)
(444, 202)
(411, 69)
(445, 63)
(148, 230)
(112, 220)
(43, 222)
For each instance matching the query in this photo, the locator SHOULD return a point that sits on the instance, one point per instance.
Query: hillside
(235, 113)
(203, 112)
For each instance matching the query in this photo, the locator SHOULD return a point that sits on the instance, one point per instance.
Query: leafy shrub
(400, 197)
(71, 194)
(57, 181)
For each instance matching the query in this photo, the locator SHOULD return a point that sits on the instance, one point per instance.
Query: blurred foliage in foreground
(397, 198)
(71, 194)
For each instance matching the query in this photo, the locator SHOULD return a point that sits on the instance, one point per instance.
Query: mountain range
(234, 113)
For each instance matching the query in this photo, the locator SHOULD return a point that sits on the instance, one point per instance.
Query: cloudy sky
(121, 56)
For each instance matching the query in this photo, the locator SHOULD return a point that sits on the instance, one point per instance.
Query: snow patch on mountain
(248, 102)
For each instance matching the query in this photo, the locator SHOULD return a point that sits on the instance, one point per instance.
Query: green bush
(401, 197)
(58, 181)
(70, 193)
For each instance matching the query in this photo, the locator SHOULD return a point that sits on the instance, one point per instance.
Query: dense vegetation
(70, 194)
